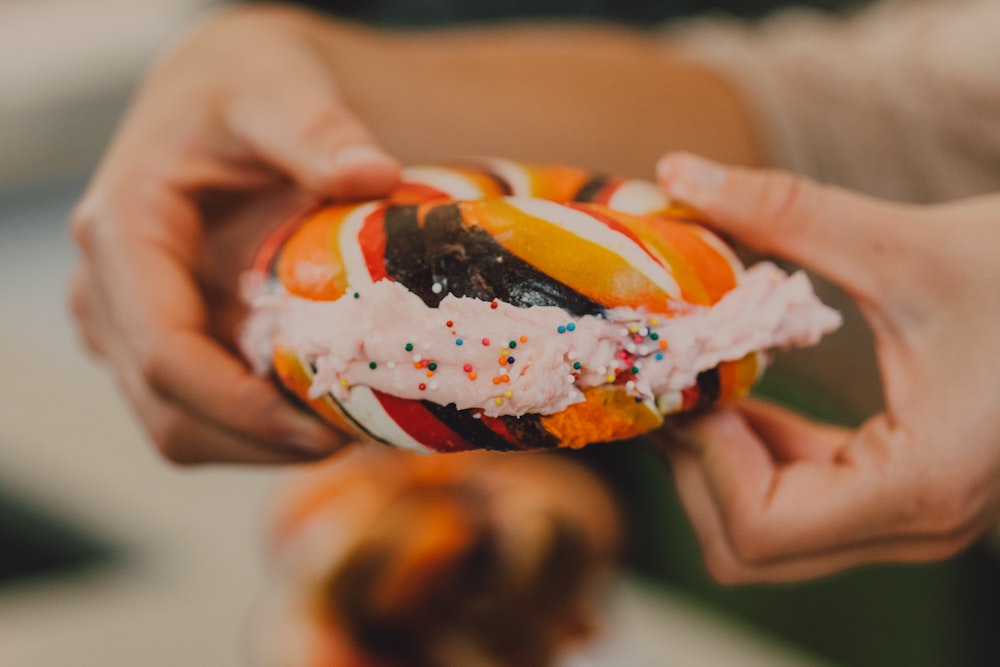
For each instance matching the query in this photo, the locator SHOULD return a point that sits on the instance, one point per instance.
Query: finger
(201, 378)
(791, 437)
(186, 438)
(844, 236)
(874, 491)
(180, 435)
(785, 435)
(726, 564)
(299, 124)
(803, 506)
(88, 316)
(205, 423)
(160, 342)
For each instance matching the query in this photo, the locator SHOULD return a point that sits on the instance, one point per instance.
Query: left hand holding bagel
(775, 497)
(155, 290)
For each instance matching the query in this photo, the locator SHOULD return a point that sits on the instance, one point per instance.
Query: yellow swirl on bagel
(505, 306)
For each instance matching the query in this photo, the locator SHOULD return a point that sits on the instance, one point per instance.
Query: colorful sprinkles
(639, 340)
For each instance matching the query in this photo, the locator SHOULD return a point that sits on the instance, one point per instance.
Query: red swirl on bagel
(505, 306)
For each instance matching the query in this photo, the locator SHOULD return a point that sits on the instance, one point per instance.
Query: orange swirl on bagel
(310, 264)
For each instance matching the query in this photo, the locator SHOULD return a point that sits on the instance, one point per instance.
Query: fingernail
(691, 179)
(353, 156)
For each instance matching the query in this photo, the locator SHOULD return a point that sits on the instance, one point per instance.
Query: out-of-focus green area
(34, 543)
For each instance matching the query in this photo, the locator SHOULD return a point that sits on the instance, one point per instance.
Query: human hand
(246, 106)
(775, 497)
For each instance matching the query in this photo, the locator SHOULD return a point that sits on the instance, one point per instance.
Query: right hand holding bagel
(246, 105)
(776, 497)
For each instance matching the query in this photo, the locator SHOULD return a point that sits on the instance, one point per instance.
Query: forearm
(604, 98)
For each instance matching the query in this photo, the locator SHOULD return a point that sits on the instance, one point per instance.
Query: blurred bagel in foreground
(385, 558)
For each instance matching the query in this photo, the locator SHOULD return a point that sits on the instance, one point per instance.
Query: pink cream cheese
(506, 360)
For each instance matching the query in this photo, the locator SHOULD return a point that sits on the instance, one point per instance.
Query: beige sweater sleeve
(901, 100)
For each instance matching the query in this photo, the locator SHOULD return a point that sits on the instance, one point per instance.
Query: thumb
(839, 234)
(304, 131)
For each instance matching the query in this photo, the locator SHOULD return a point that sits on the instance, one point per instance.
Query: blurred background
(109, 557)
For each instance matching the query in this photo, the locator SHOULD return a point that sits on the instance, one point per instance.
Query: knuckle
(89, 340)
(92, 346)
(155, 370)
(789, 202)
(82, 315)
(77, 300)
(947, 513)
(749, 542)
(178, 453)
(746, 529)
(273, 422)
(263, 411)
(722, 569)
(83, 221)
(276, 431)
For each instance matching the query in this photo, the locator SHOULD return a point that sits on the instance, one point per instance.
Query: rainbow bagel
(503, 306)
